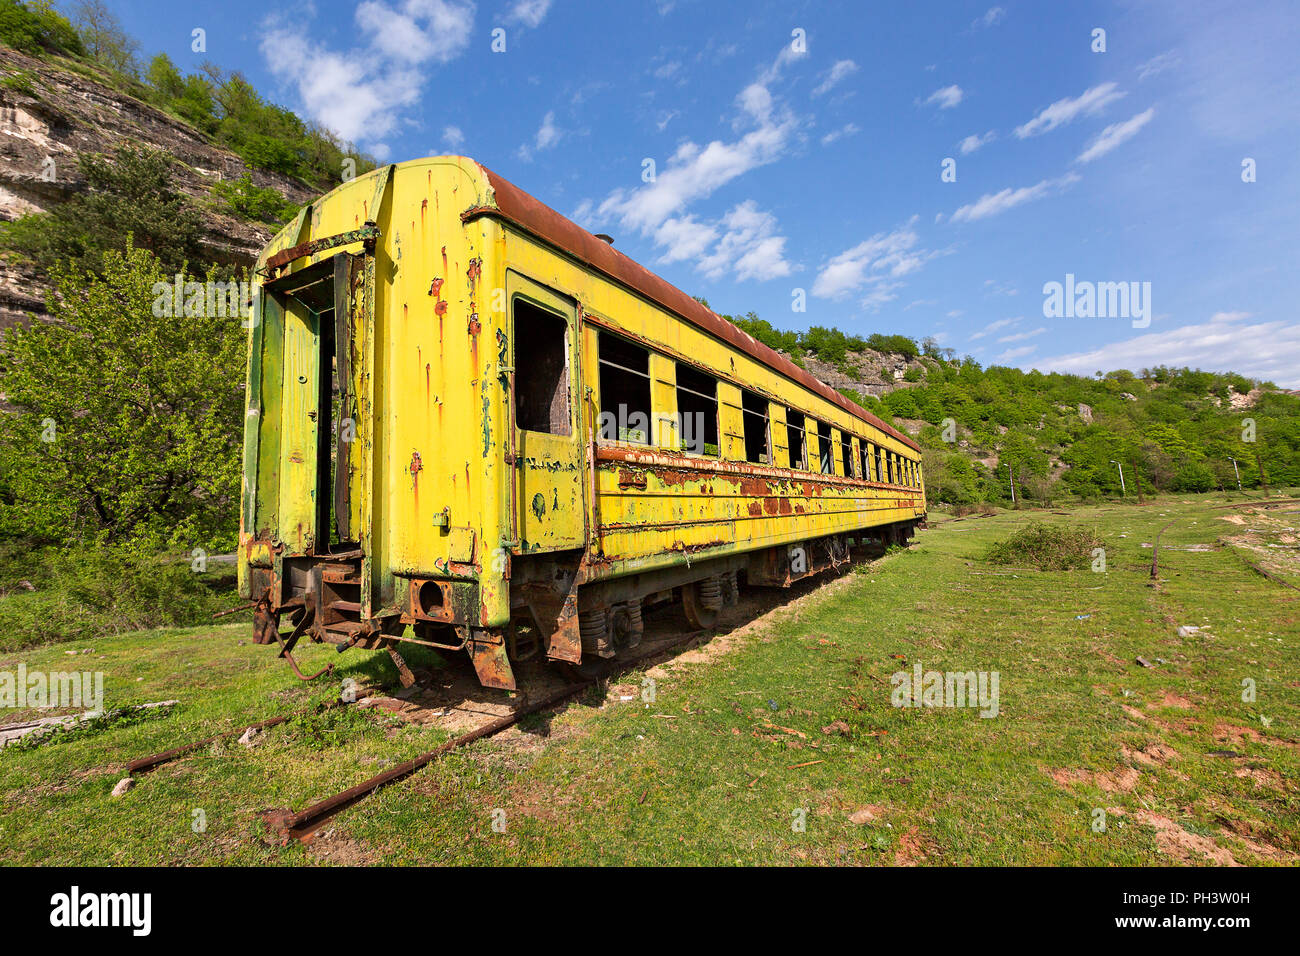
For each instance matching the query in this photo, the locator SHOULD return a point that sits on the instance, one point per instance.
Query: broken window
(864, 447)
(880, 464)
(827, 457)
(541, 370)
(846, 454)
(753, 412)
(624, 390)
(794, 422)
(697, 410)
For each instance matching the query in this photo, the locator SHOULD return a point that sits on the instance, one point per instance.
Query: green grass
(49, 597)
(714, 770)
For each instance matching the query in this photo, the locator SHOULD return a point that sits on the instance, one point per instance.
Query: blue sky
(801, 146)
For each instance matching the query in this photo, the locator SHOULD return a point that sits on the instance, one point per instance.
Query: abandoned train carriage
(472, 424)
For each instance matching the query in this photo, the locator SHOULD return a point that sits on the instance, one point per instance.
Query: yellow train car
(473, 425)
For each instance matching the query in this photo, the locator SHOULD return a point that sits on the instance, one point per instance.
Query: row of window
(627, 409)
(627, 415)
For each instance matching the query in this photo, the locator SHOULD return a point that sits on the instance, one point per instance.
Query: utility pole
(1122, 490)
(1012, 479)
(1235, 471)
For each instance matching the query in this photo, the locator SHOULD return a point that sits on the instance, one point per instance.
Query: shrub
(247, 201)
(1046, 547)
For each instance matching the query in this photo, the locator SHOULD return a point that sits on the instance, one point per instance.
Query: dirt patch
(1237, 736)
(1152, 755)
(1121, 780)
(1170, 699)
(1262, 778)
(1183, 845)
(912, 849)
(332, 847)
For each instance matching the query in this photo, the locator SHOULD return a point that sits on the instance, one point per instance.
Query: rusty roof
(539, 219)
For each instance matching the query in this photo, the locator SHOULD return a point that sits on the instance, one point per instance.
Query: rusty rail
(303, 824)
(145, 764)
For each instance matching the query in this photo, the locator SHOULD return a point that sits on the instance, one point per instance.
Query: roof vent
(604, 238)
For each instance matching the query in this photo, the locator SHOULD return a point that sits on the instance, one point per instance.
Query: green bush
(248, 201)
(1046, 547)
(1193, 476)
(36, 29)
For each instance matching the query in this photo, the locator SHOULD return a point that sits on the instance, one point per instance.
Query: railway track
(664, 636)
(301, 825)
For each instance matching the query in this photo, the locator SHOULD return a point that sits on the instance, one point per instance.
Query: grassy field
(777, 741)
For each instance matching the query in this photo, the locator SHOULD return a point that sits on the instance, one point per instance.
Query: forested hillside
(1173, 429)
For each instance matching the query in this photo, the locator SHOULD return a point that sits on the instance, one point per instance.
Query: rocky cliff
(51, 111)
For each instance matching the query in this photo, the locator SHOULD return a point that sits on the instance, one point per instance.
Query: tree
(103, 37)
(129, 194)
(36, 29)
(128, 425)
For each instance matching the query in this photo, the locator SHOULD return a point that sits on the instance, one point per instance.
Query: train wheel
(589, 669)
(701, 601)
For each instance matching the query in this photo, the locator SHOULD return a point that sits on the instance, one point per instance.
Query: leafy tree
(103, 38)
(128, 425)
(129, 194)
(35, 28)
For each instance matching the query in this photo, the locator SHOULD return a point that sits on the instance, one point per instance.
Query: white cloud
(1264, 350)
(528, 13)
(990, 204)
(1090, 102)
(1158, 64)
(452, 137)
(1010, 355)
(755, 102)
(1230, 316)
(694, 172)
(548, 134)
(872, 264)
(783, 59)
(359, 93)
(749, 246)
(945, 97)
(667, 70)
(834, 75)
(1021, 336)
(684, 238)
(848, 129)
(992, 17)
(991, 327)
(1113, 135)
(744, 240)
(975, 141)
